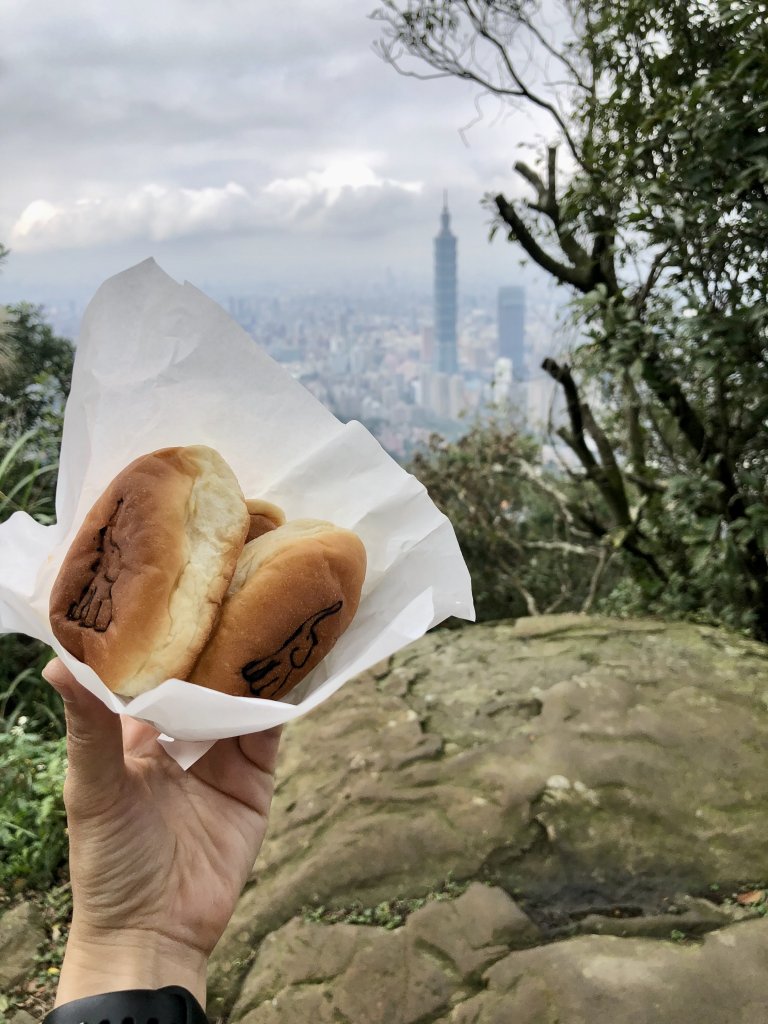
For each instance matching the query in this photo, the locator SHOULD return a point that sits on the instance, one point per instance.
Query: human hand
(158, 856)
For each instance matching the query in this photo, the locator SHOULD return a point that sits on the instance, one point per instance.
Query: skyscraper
(444, 352)
(511, 326)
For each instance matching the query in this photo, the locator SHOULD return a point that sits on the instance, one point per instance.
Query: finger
(94, 735)
(247, 777)
(260, 751)
(261, 748)
(140, 738)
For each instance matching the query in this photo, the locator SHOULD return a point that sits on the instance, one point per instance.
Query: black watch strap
(170, 1005)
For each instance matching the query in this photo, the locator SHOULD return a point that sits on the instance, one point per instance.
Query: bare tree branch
(634, 426)
(547, 488)
(559, 545)
(577, 442)
(569, 66)
(533, 178)
(530, 600)
(653, 274)
(610, 466)
(645, 485)
(481, 28)
(594, 583)
(433, 46)
(548, 205)
(562, 596)
(521, 233)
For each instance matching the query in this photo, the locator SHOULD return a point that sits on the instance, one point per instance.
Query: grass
(27, 479)
(388, 914)
(32, 819)
(26, 484)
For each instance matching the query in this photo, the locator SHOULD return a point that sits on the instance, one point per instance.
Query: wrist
(99, 961)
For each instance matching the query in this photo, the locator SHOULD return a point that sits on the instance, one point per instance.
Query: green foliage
(679, 137)
(32, 819)
(23, 692)
(26, 483)
(389, 914)
(35, 374)
(25, 478)
(525, 551)
(659, 229)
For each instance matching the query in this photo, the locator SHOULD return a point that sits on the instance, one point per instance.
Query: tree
(5, 347)
(35, 375)
(658, 227)
(525, 552)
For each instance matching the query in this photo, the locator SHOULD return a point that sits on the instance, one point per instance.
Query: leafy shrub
(23, 692)
(35, 374)
(27, 483)
(526, 551)
(32, 820)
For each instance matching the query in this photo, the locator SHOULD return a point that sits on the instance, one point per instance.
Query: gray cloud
(143, 128)
(345, 197)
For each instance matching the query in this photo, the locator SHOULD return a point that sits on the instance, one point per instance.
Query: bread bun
(264, 517)
(294, 592)
(139, 590)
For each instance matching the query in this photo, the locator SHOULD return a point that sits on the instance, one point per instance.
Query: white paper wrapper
(160, 364)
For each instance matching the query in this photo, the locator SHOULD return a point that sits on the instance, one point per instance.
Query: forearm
(128, 959)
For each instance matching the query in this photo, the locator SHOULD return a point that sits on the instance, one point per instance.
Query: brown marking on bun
(294, 592)
(139, 589)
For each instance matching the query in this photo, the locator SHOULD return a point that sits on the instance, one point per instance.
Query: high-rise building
(427, 345)
(511, 324)
(444, 352)
(501, 388)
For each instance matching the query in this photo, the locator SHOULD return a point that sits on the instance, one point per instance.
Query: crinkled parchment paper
(161, 364)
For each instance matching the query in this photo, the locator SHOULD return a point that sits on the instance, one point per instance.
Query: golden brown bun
(264, 517)
(294, 592)
(139, 589)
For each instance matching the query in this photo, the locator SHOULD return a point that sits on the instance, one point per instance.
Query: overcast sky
(243, 144)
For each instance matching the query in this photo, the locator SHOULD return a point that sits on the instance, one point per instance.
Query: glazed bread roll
(264, 517)
(139, 590)
(294, 592)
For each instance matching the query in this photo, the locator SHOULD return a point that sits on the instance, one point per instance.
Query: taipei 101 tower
(445, 360)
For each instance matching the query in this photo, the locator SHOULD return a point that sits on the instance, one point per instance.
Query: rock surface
(436, 959)
(449, 965)
(596, 774)
(599, 980)
(21, 935)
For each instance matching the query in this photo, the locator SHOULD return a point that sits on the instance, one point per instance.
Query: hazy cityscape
(405, 361)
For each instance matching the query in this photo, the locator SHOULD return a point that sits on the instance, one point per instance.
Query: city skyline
(373, 355)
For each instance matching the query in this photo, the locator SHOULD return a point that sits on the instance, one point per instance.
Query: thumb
(94, 734)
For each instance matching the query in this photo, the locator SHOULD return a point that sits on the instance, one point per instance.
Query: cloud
(232, 140)
(351, 173)
(154, 212)
(345, 196)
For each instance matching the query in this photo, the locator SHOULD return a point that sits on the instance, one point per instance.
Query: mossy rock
(592, 769)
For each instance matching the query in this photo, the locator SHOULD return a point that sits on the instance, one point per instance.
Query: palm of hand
(157, 844)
